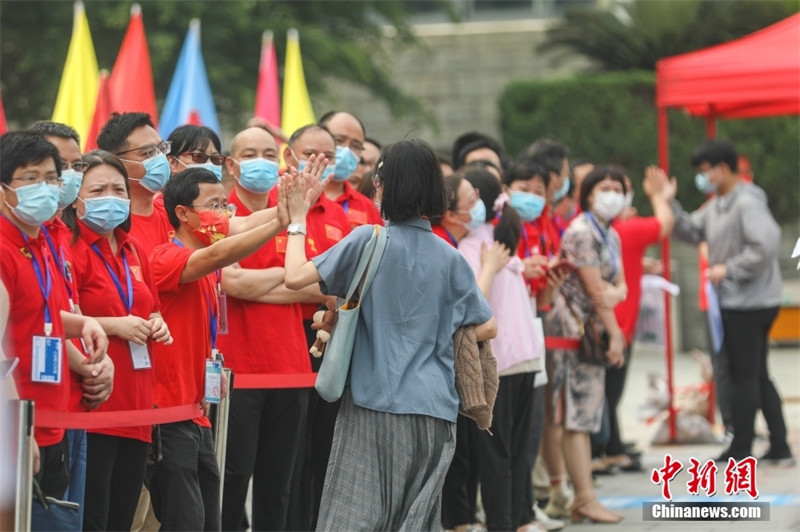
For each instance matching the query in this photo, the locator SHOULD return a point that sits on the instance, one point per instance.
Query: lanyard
(607, 243)
(45, 286)
(525, 242)
(345, 205)
(126, 300)
(451, 238)
(213, 317)
(60, 262)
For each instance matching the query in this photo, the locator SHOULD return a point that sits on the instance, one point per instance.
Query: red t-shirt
(100, 297)
(61, 248)
(359, 209)
(551, 240)
(326, 224)
(187, 309)
(278, 343)
(531, 243)
(154, 230)
(26, 318)
(444, 234)
(635, 234)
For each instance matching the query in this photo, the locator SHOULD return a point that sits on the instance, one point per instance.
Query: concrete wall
(459, 73)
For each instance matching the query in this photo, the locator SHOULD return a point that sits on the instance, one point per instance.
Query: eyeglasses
(472, 200)
(32, 180)
(152, 149)
(201, 158)
(355, 145)
(218, 208)
(78, 166)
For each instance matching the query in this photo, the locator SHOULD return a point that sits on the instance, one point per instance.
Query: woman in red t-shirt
(116, 286)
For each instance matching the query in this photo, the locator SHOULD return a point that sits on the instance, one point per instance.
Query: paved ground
(625, 492)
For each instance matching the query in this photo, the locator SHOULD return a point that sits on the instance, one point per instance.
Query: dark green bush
(611, 118)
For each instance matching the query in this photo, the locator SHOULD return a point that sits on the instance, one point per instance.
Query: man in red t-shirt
(186, 482)
(636, 233)
(265, 336)
(39, 320)
(348, 134)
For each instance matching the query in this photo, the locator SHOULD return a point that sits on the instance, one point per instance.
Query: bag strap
(368, 264)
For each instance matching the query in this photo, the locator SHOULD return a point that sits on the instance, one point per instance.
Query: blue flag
(189, 99)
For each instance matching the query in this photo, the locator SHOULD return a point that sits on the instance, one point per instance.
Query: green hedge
(611, 118)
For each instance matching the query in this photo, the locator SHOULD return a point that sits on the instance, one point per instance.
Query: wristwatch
(295, 228)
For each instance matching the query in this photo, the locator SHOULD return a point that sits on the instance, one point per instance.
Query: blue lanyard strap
(607, 243)
(525, 242)
(213, 318)
(126, 300)
(60, 261)
(45, 286)
(451, 238)
(345, 205)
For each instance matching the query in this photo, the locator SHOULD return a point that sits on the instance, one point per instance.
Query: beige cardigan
(476, 376)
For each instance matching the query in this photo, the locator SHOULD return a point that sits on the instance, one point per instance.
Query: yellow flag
(296, 111)
(77, 93)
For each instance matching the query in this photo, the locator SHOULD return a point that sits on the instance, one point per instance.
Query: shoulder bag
(592, 346)
(339, 350)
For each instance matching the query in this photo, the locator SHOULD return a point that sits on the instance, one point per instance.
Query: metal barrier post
(24, 486)
(221, 436)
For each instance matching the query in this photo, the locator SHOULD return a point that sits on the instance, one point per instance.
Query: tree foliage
(339, 39)
(637, 34)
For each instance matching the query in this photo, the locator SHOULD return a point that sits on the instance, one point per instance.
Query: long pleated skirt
(385, 471)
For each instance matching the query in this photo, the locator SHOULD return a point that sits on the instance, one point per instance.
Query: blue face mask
(346, 163)
(704, 184)
(208, 165)
(157, 172)
(35, 203)
(70, 185)
(328, 169)
(562, 192)
(258, 175)
(528, 205)
(477, 215)
(105, 213)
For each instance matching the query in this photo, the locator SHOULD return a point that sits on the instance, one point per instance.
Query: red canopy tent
(755, 76)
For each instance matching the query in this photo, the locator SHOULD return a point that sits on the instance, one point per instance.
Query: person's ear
(230, 164)
(289, 158)
(175, 165)
(182, 213)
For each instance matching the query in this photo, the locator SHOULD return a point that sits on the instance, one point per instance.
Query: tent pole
(711, 127)
(663, 160)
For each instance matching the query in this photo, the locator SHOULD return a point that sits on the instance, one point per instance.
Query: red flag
(3, 125)
(131, 80)
(102, 111)
(268, 98)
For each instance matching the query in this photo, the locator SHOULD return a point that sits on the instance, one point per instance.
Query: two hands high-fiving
(298, 190)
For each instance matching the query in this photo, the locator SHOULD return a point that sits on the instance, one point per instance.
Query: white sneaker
(560, 503)
(546, 521)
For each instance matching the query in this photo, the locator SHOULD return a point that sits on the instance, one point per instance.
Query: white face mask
(629, 200)
(608, 204)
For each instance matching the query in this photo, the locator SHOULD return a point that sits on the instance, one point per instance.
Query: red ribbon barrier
(555, 342)
(250, 381)
(118, 418)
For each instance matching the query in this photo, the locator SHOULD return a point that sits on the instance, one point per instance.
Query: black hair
(114, 135)
(484, 164)
(98, 158)
(598, 174)
(444, 158)
(48, 128)
(509, 225)
(191, 138)
(183, 189)
(324, 119)
(472, 141)
(366, 186)
(715, 151)
(19, 149)
(373, 141)
(525, 170)
(302, 131)
(549, 153)
(412, 181)
(451, 184)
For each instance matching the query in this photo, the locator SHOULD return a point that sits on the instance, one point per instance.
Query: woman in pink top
(504, 455)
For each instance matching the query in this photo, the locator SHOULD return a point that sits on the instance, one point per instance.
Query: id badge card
(222, 323)
(46, 367)
(213, 381)
(140, 356)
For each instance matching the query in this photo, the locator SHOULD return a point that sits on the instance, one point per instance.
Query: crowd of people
(132, 274)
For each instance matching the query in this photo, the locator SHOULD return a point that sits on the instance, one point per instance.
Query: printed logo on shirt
(25, 252)
(357, 217)
(280, 244)
(333, 232)
(137, 273)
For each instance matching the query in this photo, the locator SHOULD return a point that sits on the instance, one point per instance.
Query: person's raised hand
(494, 257)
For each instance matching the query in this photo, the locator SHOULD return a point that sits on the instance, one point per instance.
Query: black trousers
(185, 484)
(722, 384)
(460, 491)
(266, 432)
(503, 463)
(745, 347)
(115, 469)
(615, 385)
